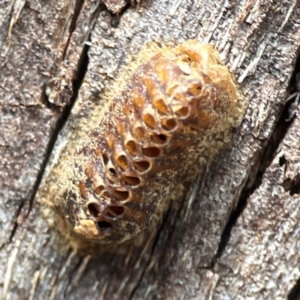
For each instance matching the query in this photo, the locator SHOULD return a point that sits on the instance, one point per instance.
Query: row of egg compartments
(142, 166)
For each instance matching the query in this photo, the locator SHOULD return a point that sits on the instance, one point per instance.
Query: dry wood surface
(238, 238)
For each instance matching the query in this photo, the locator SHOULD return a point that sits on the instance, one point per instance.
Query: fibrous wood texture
(236, 236)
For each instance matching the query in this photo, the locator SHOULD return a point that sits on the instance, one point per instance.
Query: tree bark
(238, 239)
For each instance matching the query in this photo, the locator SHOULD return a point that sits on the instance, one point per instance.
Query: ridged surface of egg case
(167, 114)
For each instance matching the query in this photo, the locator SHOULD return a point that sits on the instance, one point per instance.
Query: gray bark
(239, 238)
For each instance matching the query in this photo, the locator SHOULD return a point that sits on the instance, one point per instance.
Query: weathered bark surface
(239, 237)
